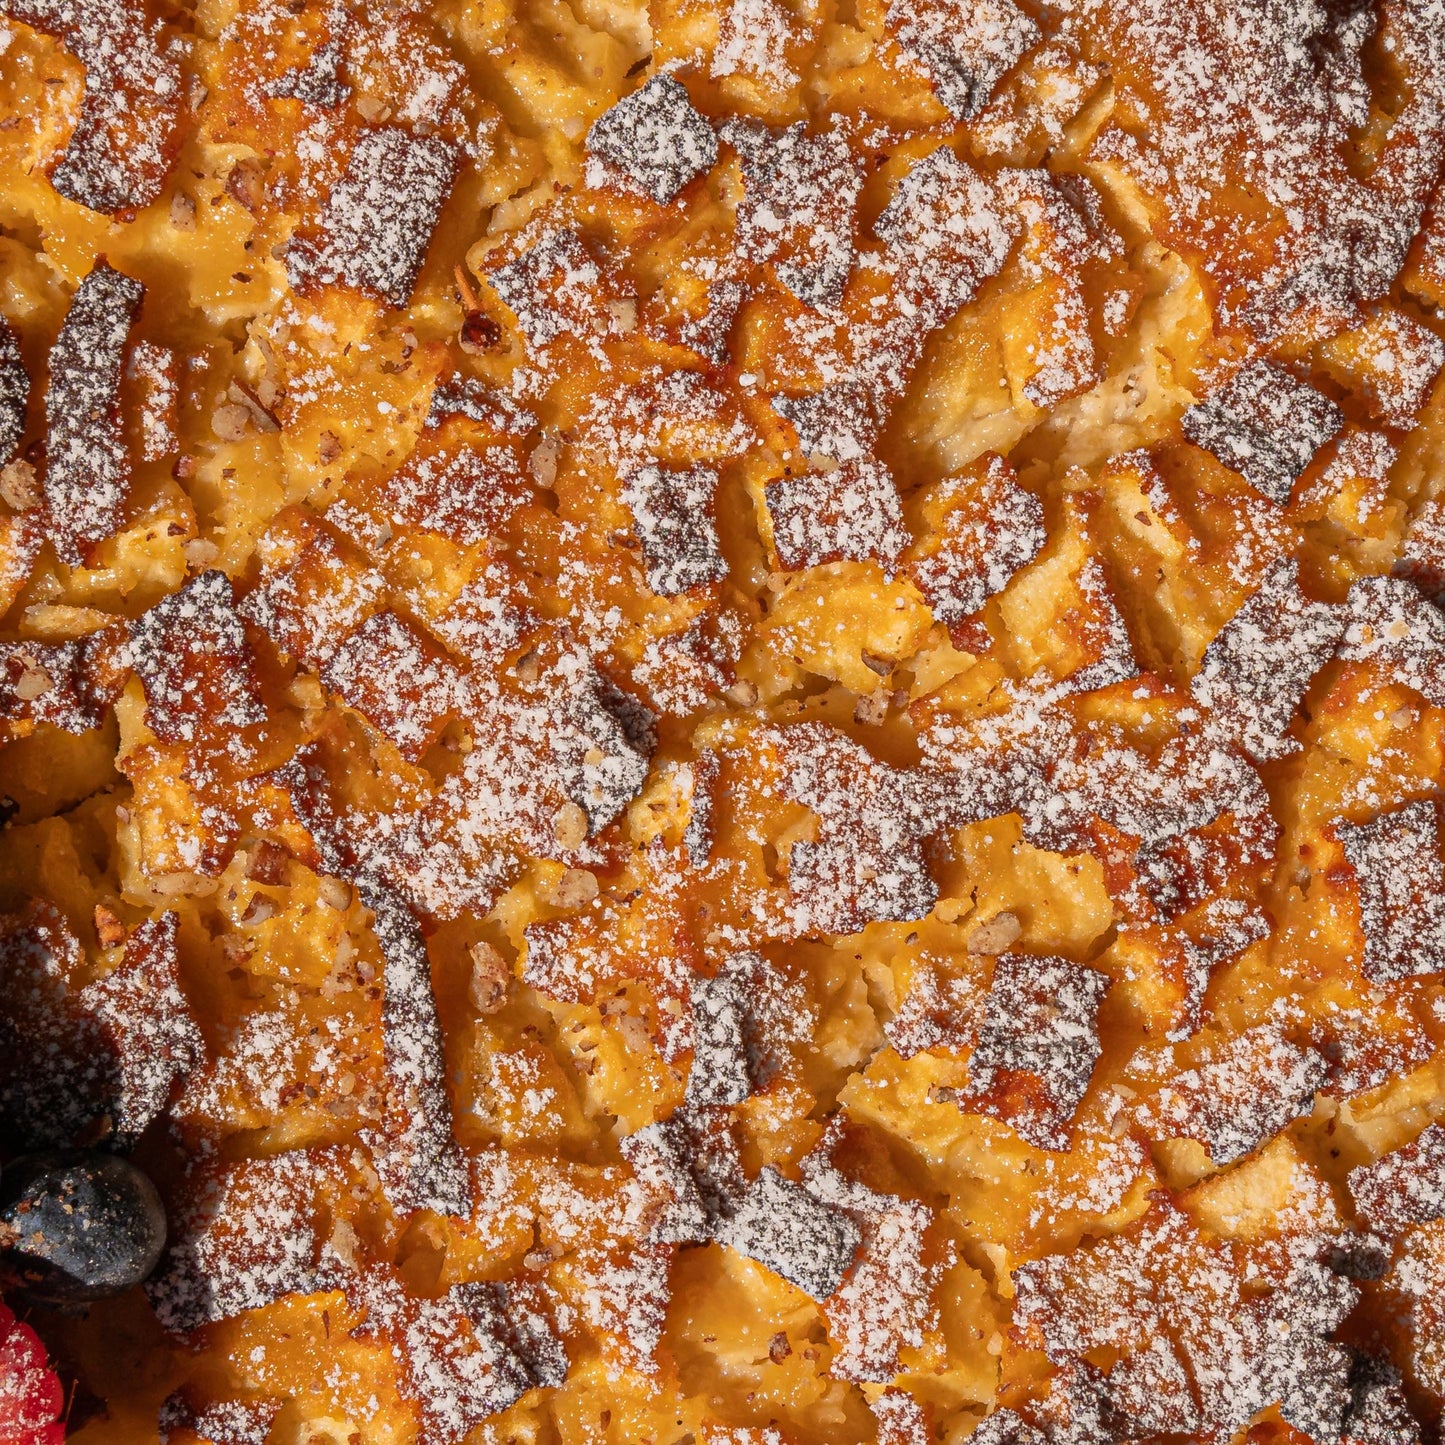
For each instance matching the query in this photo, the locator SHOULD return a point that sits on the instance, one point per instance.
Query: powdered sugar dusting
(1037, 1046)
(453, 1361)
(127, 132)
(993, 528)
(14, 392)
(191, 654)
(801, 191)
(1403, 1188)
(98, 1062)
(965, 49)
(1401, 881)
(378, 221)
(87, 471)
(1257, 669)
(419, 1164)
(1195, 1353)
(824, 516)
(653, 139)
(1395, 628)
(1245, 1093)
(786, 1229)
(223, 1422)
(248, 1237)
(889, 1298)
(673, 512)
(1264, 424)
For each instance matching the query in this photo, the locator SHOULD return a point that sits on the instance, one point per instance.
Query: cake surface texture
(722, 721)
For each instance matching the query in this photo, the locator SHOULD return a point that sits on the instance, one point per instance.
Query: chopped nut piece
(491, 978)
(230, 421)
(33, 682)
(571, 889)
(108, 928)
(569, 826)
(995, 935)
(19, 485)
(246, 184)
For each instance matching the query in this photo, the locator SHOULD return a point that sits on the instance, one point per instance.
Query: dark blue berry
(78, 1225)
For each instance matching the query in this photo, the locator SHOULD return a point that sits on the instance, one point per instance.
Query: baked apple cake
(723, 721)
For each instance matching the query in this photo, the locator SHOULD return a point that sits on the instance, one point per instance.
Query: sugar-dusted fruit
(31, 1400)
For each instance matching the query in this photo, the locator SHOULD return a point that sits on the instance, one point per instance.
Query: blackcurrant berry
(78, 1225)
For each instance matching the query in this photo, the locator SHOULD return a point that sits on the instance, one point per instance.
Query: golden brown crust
(721, 720)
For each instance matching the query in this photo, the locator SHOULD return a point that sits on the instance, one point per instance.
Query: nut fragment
(490, 978)
(543, 462)
(871, 710)
(229, 421)
(633, 1032)
(569, 826)
(259, 910)
(327, 1430)
(246, 184)
(479, 333)
(575, 887)
(19, 486)
(199, 553)
(183, 212)
(995, 935)
(624, 315)
(334, 893)
(267, 862)
(243, 395)
(108, 928)
(32, 683)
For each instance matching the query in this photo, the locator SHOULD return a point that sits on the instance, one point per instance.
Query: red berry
(30, 1396)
